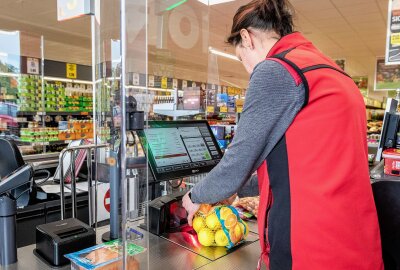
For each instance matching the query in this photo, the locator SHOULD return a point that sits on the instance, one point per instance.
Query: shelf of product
(29, 93)
(373, 140)
(374, 127)
(178, 106)
(74, 130)
(58, 97)
(372, 103)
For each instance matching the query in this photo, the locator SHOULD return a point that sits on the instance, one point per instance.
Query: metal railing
(72, 150)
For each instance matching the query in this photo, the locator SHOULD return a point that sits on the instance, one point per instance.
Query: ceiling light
(66, 80)
(214, 2)
(9, 33)
(223, 54)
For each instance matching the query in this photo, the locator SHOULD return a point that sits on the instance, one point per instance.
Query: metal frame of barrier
(72, 150)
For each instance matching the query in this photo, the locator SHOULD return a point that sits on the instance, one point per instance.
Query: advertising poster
(387, 77)
(393, 34)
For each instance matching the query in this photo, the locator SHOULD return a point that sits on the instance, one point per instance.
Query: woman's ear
(247, 42)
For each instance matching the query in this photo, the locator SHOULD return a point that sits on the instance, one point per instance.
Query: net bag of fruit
(219, 226)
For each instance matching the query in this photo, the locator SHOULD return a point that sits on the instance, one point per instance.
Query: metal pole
(8, 224)
(89, 179)
(73, 184)
(114, 196)
(94, 87)
(43, 84)
(62, 198)
(122, 156)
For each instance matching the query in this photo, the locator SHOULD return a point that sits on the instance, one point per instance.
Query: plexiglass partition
(21, 91)
(153, 61)
(38, 105)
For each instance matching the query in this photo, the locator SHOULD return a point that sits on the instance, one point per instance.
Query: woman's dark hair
(275, 15)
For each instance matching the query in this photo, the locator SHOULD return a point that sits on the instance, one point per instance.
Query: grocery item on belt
(219, 226)
(248, 203)
(106, 256)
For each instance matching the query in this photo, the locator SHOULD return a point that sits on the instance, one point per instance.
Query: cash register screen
(180, 148)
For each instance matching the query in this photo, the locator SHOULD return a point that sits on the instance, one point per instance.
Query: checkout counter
(170, 250)
(162, 255)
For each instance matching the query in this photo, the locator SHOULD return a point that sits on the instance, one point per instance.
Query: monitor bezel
(165, 176)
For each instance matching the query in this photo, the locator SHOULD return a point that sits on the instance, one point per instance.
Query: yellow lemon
(198, 223)
(212, 222)
(206, 237)
(224, 212)
(221, 239)
(244, 227)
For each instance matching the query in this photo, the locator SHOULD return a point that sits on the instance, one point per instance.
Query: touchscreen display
(181, 146)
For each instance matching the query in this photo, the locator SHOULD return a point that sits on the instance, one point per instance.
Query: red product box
(392, 161)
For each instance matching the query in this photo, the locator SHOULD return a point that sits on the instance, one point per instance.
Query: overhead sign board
(69, 9)
(393, 34)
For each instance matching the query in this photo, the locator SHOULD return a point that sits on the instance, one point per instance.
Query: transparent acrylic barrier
(21, 91)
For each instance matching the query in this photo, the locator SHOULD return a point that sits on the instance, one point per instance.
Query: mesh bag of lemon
(219, 226)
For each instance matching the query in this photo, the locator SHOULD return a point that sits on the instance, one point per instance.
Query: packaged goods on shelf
(80, 124)
(39, 134)
(29, 92)
(68, 134)
(104, 133)
(374, 126)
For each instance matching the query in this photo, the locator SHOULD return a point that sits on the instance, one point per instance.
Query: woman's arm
(272, 102)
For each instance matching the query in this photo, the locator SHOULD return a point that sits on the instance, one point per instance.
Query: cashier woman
(303, 128)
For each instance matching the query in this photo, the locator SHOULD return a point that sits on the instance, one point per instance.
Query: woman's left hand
(190, 207)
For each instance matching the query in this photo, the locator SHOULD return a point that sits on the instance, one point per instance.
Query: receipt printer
(56, 239)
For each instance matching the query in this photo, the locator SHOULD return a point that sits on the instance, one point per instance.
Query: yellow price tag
(71, 71)
(210, 109)
(395, 39)
(164, 82)
(239, 109)
(223, 109)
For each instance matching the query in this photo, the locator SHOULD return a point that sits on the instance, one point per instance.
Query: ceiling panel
(350, 29)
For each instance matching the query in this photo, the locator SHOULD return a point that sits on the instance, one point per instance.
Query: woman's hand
(230, 200)
(190, 207)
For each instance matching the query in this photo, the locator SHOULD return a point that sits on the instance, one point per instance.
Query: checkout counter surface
(162, 254)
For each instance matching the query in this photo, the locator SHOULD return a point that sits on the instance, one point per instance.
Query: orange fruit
(230, 221)
(237, 230)
(233, 237)
(205, 208)
(224, 212)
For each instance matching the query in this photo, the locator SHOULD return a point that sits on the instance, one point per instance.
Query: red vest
(316, 201)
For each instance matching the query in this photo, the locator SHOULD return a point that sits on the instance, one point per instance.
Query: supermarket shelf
(46, 143)
(373, 107)
(169, 110)
(177, 113)
(53, 113)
